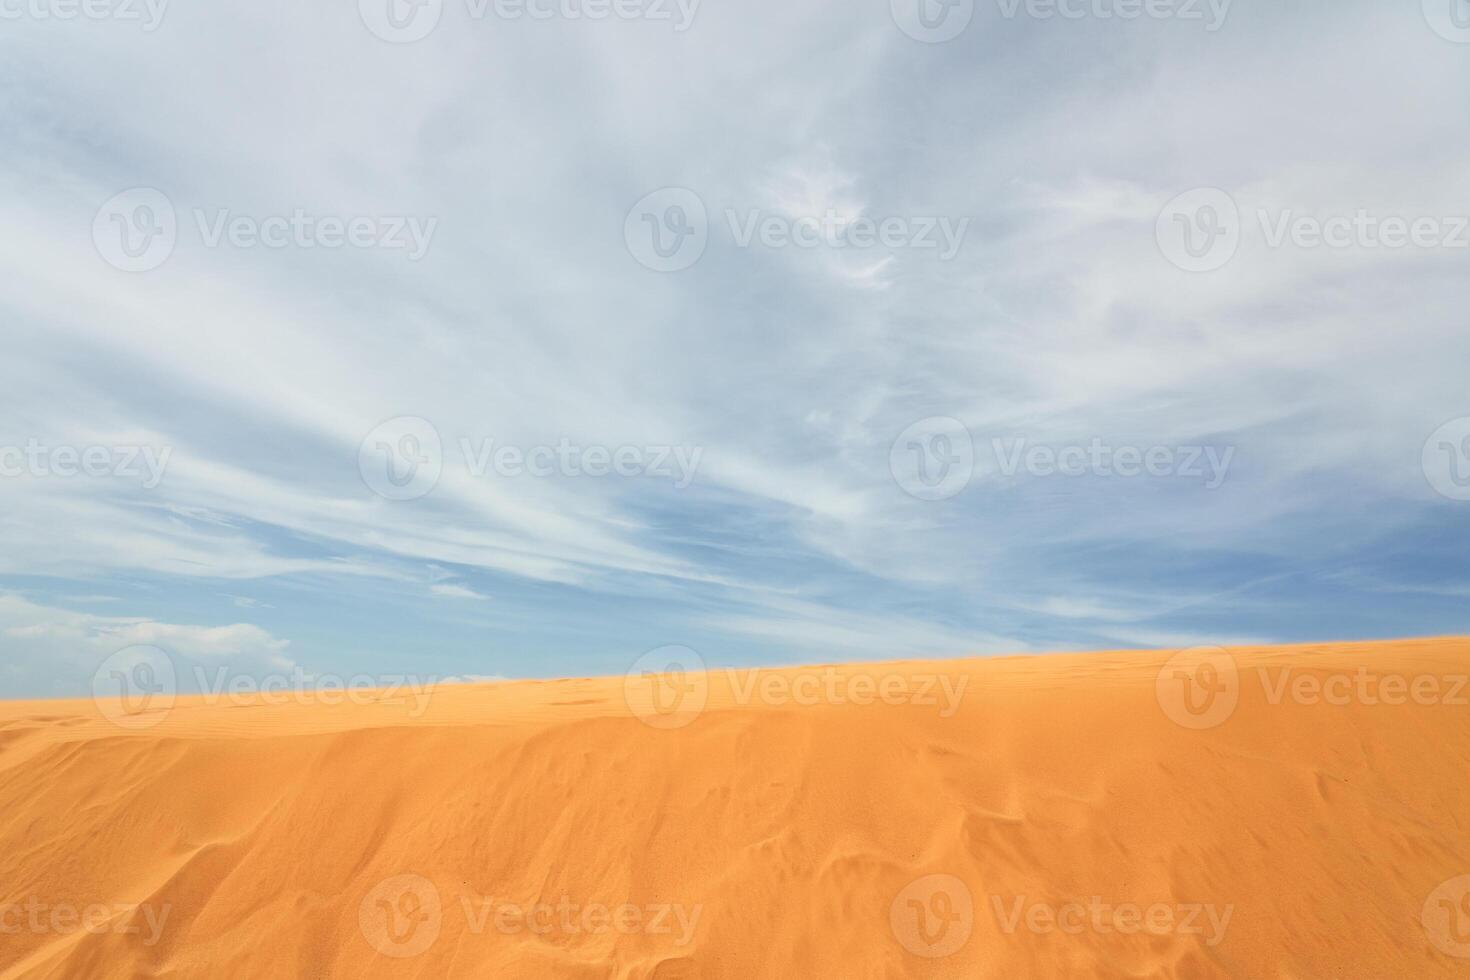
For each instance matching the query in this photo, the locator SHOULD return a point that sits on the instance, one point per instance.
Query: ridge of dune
(1274, 813)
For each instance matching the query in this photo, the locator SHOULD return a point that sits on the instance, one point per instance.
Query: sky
(518, 339)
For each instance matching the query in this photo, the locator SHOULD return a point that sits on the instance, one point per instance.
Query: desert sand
(1292, 812)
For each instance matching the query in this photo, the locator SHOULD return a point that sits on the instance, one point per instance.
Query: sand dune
(1266, 813)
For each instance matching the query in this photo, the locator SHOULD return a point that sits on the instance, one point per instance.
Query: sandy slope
(536, 830)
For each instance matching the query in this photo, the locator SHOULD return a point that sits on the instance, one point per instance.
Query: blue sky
(805, 383)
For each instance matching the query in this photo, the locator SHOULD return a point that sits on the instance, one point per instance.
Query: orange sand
(1058, 822)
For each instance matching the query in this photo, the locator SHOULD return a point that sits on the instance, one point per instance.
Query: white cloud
(451, 591)
(40, 641)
